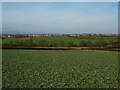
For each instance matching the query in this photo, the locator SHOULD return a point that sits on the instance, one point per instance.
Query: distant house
(8, 36)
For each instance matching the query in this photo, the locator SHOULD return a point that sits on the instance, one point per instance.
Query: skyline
(60, 17)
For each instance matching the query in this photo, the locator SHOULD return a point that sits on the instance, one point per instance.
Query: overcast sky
(60, 17)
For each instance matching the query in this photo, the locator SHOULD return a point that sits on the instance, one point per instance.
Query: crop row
(61, 69)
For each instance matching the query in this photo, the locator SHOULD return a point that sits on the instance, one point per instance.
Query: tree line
(55, 43)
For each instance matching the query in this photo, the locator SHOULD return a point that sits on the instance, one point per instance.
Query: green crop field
(61, 69)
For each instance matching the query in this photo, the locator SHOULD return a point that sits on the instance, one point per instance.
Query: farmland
(61, 69)
(58, 41)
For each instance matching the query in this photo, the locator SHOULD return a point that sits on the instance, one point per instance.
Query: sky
(59, 17)
(60, 0)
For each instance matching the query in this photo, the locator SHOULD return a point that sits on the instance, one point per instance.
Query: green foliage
(89, 44)
(59, 69)
(83, 44)
(100, 43)
(58, 41)
(62, 43)
(70, 44)
(55, 43)
(44, 43)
